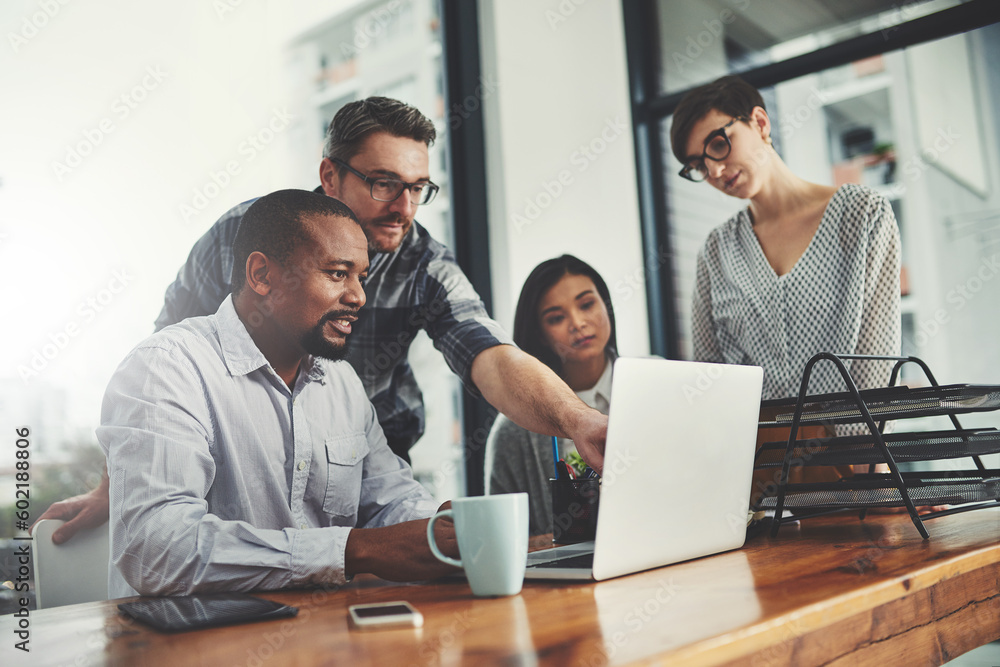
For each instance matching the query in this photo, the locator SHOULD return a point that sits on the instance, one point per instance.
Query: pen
(555, 455)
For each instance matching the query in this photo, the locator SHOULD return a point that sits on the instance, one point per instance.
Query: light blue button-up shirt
(223, 479)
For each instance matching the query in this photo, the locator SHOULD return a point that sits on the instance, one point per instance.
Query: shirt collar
(241, 354)
(599, 396)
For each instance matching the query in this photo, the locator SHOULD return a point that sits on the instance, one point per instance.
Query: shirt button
(302, 465)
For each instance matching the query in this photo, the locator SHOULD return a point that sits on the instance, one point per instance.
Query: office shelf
(964, 490)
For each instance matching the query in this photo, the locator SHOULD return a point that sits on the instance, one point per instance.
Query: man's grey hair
(352, 124)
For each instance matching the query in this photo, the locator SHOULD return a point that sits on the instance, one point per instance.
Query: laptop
(677, 470)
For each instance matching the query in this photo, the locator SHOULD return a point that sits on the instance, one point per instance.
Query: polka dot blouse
(841, 296)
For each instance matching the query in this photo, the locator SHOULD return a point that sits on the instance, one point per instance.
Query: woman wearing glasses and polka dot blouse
(805, 268)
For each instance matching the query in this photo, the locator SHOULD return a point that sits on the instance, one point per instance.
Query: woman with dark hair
(805, 268)
(564, 318)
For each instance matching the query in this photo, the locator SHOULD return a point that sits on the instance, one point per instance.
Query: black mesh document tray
(962, 490)
(853, 450)
(861, 491)
(890, 403)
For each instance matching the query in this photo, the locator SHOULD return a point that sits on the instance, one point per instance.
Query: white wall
(560, 158)
(153, 100)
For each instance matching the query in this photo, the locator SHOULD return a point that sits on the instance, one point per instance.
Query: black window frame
(467, 174)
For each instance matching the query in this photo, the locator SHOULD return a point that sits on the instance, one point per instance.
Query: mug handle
(430, 539)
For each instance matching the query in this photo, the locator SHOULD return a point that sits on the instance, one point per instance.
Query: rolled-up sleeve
(456, 318)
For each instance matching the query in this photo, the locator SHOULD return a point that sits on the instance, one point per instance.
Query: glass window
(918, 126)
(705, 39)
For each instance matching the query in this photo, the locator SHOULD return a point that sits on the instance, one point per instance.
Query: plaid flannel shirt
(419, 286)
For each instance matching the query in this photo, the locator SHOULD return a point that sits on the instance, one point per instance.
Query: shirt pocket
(345, 456)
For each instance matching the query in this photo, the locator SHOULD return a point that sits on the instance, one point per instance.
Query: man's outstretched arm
(533, 397)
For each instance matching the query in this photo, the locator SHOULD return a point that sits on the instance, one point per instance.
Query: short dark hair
(273, 226)
(355, 121)
(730, 94)
(527, 328)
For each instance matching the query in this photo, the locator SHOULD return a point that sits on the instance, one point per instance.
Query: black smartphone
(191, 612)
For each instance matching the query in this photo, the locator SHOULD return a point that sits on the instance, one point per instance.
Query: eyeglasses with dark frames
(389, 189)
(717, 148)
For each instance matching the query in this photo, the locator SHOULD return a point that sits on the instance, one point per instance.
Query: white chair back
(73, 572)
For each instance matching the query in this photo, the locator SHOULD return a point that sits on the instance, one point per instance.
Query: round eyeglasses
(389, 189)
(717, 147)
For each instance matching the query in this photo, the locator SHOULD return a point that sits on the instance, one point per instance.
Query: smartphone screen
(189, 612)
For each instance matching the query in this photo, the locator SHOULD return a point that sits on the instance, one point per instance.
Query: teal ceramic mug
(492, 536)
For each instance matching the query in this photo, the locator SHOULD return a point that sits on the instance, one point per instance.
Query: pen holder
(574, 509)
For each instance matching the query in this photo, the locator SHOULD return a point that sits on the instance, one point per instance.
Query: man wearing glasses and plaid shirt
(376, 161)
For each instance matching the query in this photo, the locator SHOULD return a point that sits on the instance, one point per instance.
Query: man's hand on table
(401, 552)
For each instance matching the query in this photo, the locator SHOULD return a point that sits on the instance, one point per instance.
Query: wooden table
(831, 591)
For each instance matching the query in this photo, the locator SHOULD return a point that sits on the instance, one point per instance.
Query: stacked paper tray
(861, 449)
(927, 488)
(889, 403)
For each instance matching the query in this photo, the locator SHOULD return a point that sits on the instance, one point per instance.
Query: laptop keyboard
(582, 561)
